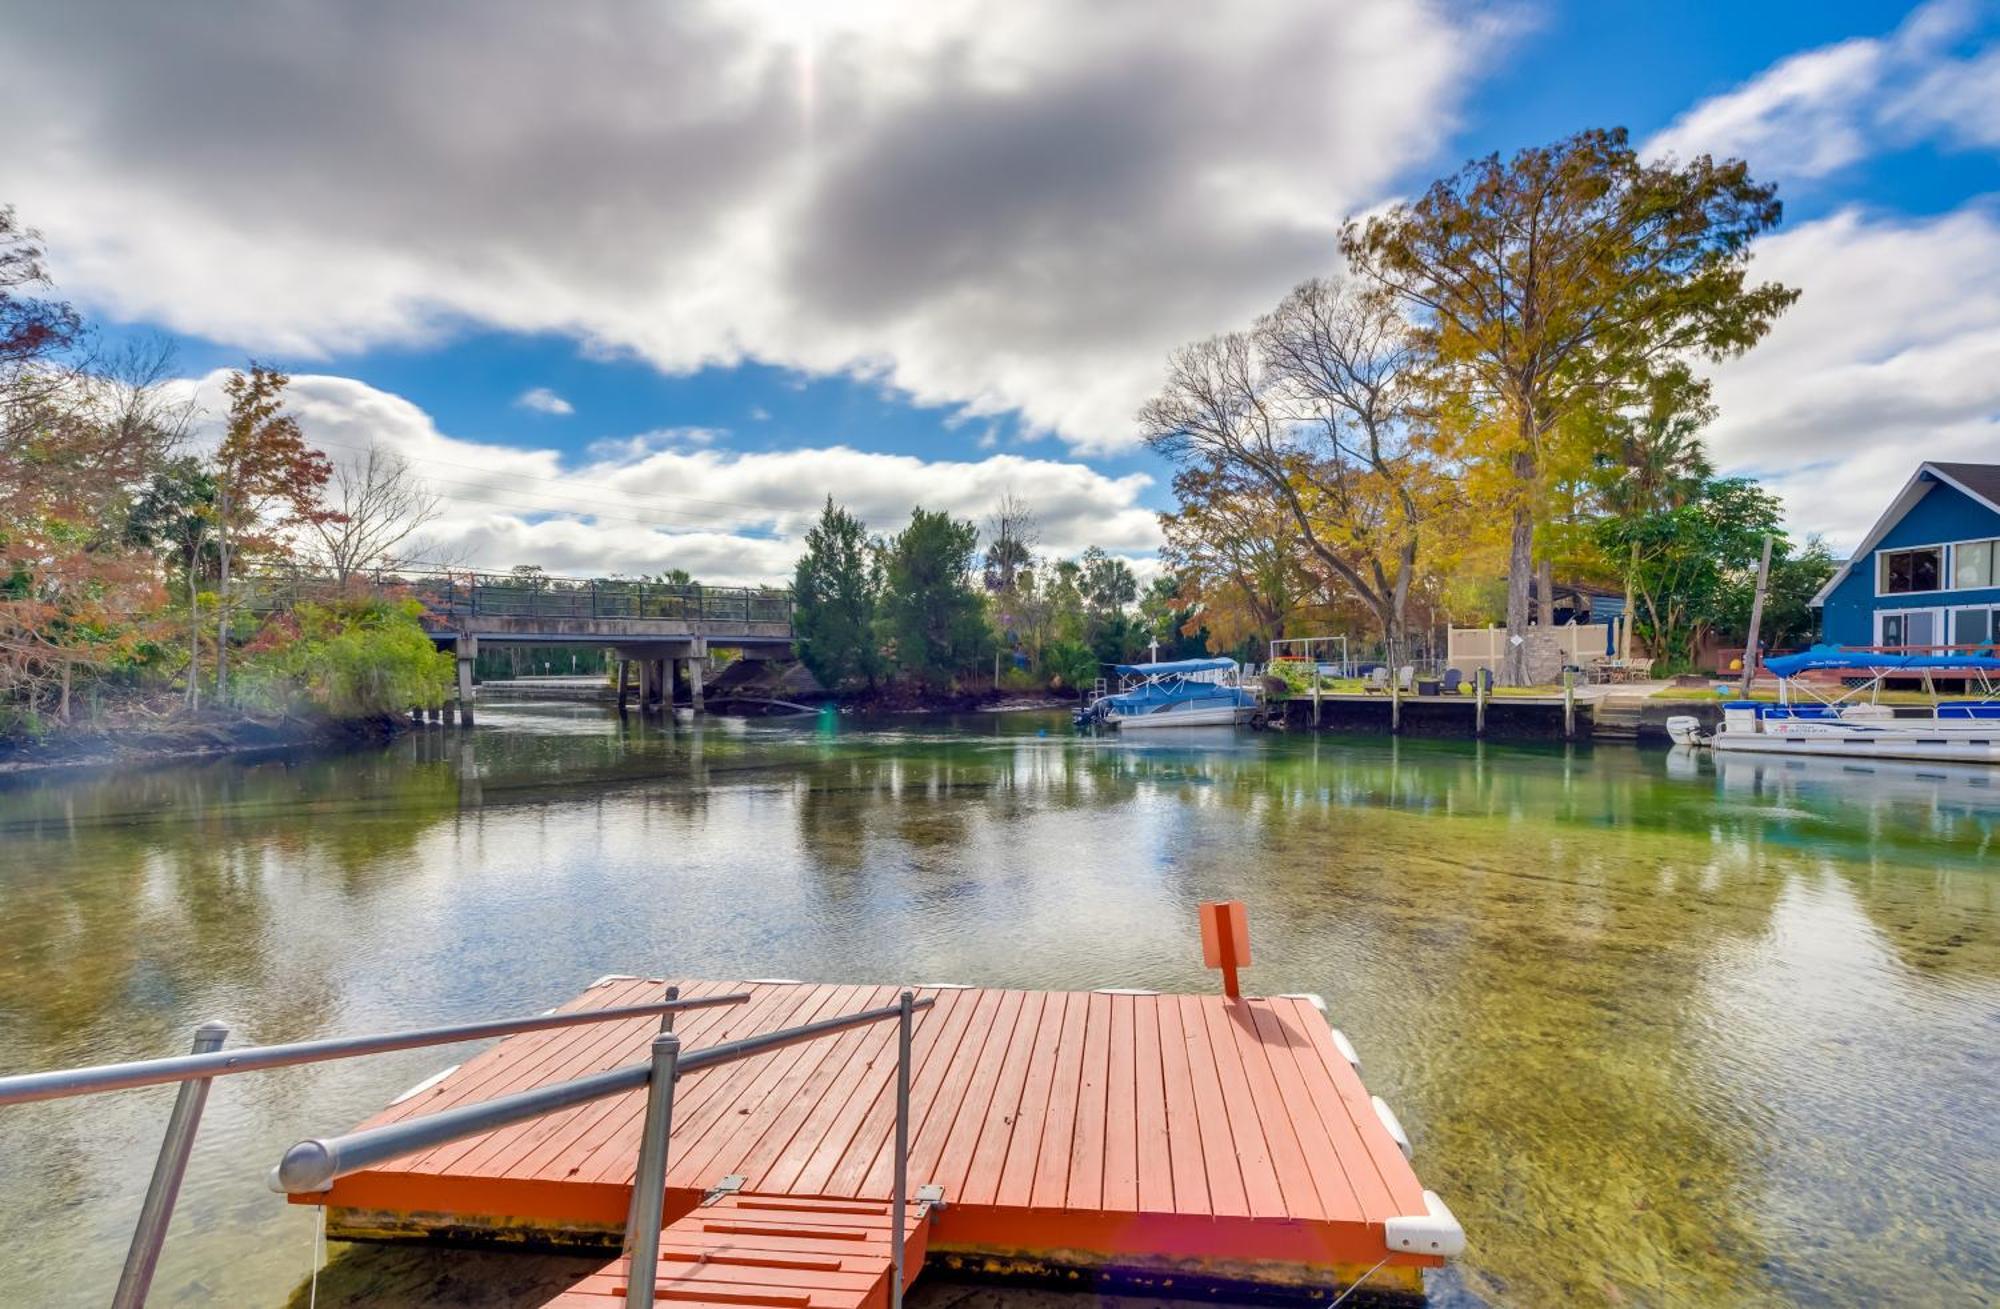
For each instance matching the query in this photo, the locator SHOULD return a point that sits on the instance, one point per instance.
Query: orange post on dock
(1225, 941)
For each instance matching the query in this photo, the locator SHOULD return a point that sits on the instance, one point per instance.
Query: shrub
(354, 658)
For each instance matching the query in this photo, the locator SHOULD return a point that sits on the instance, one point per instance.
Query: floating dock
(1095, 1138)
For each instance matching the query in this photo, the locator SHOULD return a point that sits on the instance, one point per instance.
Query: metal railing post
(902, 1184)
(649, 1185)
(158, 1211)
(632, 1211)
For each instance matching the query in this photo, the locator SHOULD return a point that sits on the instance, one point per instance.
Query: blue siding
(1944, 514)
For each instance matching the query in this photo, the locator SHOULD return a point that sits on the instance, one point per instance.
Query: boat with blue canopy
(1844, 715)
(1177, 693)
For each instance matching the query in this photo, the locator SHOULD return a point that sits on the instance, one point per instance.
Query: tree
(268, 484)
(378, 503)
(176, 514)
(1565, 278)
(1234, 549)
(1686, 559)
(77, 433)
(934, 619)
(1011, 539)
(1321, 404)
(835, 587)
(1656, 463)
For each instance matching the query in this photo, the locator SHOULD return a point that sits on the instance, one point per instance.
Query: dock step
(750, 1251)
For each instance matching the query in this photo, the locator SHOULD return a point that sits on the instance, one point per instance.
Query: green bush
(1296, 674)
(1070, 664)
(348, 659)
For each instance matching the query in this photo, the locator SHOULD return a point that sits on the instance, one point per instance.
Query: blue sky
(734, 298)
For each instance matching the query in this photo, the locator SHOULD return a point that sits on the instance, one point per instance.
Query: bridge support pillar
(694, 683)
(624, 677)
(467, 650)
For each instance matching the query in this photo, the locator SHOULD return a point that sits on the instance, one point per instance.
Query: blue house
(1927, 573)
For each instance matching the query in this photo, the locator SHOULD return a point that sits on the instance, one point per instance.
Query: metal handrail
(63, 1083)
(313, 1165)
(208, 1061)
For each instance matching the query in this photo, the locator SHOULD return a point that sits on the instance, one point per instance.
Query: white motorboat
(1841, 723)
(1182, 693)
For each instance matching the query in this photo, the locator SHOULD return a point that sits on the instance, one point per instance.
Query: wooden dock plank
(1153, 1170)
(815, 1101)
(986, 1158)
(1227, 1192)
(1017, 1175)
(1086, 1152)
(1052, 1167)
(1253, 1153)
(1264, 1105)
(953, 1162)
(1121, 1110)
(1183, 1127)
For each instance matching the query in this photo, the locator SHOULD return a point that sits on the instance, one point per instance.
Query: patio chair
(1453, 682)
(1377, 681)
(1406, 678)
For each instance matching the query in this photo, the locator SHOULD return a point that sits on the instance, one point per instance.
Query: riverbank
(206, 736)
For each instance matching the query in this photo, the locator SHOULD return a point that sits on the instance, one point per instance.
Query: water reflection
(1663, 1028)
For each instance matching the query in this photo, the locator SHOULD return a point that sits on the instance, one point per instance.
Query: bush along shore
(341, 673)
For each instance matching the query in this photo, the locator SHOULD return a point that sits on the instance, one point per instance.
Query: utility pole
(1756, 618)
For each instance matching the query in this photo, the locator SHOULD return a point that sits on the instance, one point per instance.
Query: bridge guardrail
(458, 594)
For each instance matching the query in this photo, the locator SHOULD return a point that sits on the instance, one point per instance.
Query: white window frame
(1951, 620)
(1993, 569)
(1943, 549)
(1947, 566)
(1939, 616)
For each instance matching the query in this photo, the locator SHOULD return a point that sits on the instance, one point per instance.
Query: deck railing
(208, 1061)
(314, 1165)
(457, 594)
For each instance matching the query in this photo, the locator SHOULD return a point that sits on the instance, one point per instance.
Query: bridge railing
(457, 594)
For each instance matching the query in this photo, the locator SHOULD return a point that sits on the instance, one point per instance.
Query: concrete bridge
(665, 630)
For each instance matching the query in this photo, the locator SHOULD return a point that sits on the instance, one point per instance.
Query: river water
(1663, 1029)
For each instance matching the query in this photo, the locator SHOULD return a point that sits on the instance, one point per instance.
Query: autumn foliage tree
(269, 485)
(1566, 279)
(77, 433)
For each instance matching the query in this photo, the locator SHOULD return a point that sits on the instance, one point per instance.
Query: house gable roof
(1979, 481)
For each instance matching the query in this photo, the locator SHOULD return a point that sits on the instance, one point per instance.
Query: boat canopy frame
(1876, 666)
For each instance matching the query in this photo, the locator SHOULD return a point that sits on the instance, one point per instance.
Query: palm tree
(1658, 463)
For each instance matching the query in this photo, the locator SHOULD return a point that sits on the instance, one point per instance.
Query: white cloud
(1816, 112)
(667, 500)
(1890, 357)
(541, 400)
(1024, 205)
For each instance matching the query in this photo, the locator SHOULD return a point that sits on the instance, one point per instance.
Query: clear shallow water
(1662, 1033)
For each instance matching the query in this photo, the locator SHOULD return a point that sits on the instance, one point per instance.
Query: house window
(1972, 627)
(1972, 564)
(1905, 571)
(1910, 627)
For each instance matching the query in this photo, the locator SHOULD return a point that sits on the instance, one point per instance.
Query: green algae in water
(1664, 1029)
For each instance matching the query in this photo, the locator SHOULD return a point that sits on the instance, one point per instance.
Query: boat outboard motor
(1685, 729)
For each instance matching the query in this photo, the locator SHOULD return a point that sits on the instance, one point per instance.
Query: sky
(637, 287)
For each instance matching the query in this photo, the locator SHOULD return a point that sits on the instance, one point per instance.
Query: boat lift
(1327, 654)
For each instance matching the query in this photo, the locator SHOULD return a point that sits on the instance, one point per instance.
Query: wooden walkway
(775, 1251)
(1155, 1135)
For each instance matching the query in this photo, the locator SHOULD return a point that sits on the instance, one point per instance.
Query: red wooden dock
(1151, 1136)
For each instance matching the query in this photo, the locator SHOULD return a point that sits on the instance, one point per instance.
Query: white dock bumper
(1436, 1231)
(1389, 1123)
(1347, 1050)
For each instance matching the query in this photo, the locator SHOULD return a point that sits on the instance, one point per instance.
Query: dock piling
(1479, 681)
(1569, 706)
